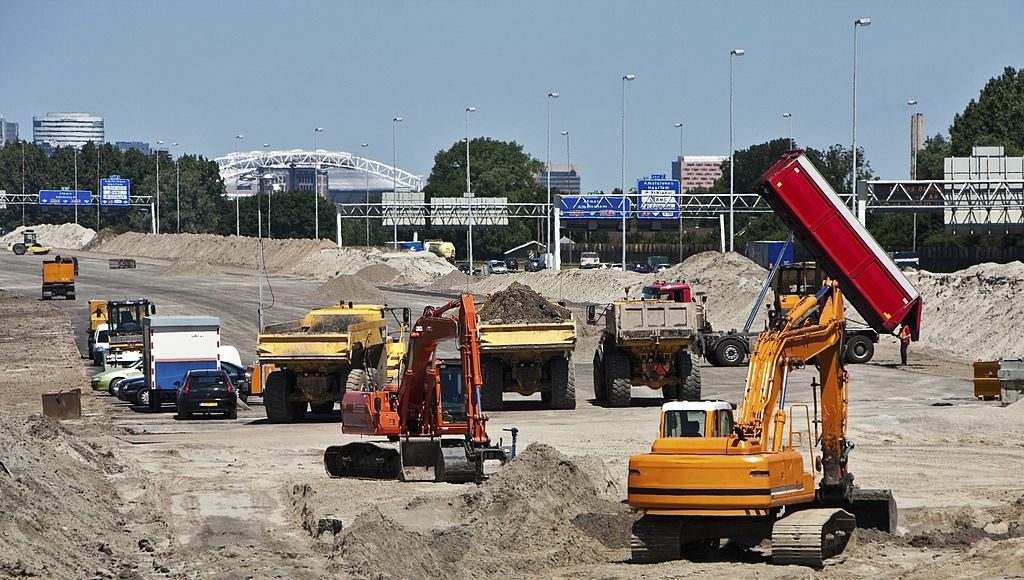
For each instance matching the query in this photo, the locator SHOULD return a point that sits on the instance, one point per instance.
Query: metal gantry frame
(246, 166)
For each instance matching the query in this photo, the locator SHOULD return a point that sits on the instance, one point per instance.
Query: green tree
(932, 157)
(995, 118)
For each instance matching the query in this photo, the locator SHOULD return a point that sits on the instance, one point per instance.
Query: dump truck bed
(645, 320)
(283, 348)
(531, 336)
(870, 280)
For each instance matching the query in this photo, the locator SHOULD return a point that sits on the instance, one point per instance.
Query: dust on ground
(519, 304)
(346, 288)
(67, 236)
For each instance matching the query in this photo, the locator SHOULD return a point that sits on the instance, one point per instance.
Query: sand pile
(59, 515)
(731, 282)
(542, 511)
(346, 288)
(413, 268)
(189, 268)
(580, 286)
(976, 313)
(378, 274)
(454, 280)
(232, 250)
(64, 236)
(520, 304)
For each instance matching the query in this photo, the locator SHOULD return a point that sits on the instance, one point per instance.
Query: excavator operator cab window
(453, 394)
(684, 423)
(723, 424)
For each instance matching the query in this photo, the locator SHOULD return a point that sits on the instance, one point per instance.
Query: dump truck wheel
(323, 408)
(730, 353)
(859, 350)
(357, 380)
(492, 393)
(617, 379)
(275, 400)
(689, 374)
(670, 392)
(600, 392)
(563, 384)
(19, 249)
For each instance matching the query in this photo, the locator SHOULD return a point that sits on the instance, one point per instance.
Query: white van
(230, 354)
(590, 260)
(100, 344)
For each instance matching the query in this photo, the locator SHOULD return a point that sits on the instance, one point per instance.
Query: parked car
(103, 381)
(640, 268)
(206, 391)
(512, 264)
(496, 267)
(534, 265)
(589, 260)
(134, 391)
(239, 378)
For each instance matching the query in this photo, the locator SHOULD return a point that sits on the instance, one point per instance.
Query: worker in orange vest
(904, 343)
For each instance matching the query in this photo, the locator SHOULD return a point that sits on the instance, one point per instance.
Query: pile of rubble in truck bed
(519, 304)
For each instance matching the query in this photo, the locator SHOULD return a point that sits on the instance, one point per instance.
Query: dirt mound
(189, 268)
(65, 236)
(731, 282)
(413, 268)
(378, 274)
(580, 286)
(239, 251)
(542, 511)
(102, 236)
(454, 280)
(346, 288)
(60, 515)
(520, 304)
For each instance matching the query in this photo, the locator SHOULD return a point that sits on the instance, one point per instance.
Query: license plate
(207, 404)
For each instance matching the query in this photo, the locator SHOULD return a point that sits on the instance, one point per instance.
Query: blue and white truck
(174, 345)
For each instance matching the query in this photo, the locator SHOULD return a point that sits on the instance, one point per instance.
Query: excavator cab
(696, 419)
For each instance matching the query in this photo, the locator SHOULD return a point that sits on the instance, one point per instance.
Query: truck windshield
(126, 318)
(653, 293)
(679, 423)
(453, 395)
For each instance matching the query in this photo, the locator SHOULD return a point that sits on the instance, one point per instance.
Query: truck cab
(677, 291)
(589, 260)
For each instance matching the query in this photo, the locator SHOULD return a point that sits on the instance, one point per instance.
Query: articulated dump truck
(326, 353)
(527, 358)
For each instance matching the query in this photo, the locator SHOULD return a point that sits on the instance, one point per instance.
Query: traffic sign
(64, 197)
(115, 191)
(659, 198)
(591, 207)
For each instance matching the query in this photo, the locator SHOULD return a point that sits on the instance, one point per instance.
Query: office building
(66, 130)
(697, 171)
(8, 132)
(564, 178)
(140, 146)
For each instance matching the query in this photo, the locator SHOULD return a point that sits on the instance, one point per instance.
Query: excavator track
(809, 537)
(363, 460)
(655, 539)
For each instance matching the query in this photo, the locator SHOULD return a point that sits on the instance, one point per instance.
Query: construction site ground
(149, 496)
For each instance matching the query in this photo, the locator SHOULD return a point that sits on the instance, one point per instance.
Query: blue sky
(200, 72)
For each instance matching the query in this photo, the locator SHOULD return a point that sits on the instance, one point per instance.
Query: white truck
(174, 345)
(590, 260)
(99, 344)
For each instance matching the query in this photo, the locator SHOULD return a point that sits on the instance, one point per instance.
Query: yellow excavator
(710, 476)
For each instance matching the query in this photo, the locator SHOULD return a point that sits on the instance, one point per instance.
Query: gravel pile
(416, 269)
(519, 304)
(347, 288)
(63, 236)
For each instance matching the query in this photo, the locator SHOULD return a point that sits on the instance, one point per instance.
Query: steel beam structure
(245, 166)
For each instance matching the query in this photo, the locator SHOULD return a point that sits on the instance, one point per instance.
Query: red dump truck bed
(870, 280)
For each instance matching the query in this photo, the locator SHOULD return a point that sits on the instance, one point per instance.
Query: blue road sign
(659, 198)
(591, 207)
(115, 191)
(64, 197)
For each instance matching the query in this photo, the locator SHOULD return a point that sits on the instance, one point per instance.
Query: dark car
(512, 264)
(207, 391)
(133, 390)
(238, 378)
(534, 265)
(640, 268)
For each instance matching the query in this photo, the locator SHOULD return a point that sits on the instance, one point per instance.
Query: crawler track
(809, 537)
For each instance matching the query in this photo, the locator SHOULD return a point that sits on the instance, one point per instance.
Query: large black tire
(323, 408)
(492, 393)
(563, 384)
(859, 350)
(97, 358)
(356, 380)
(232, 414)
(275, 400)
(600, 390)
(689, 376)
(730, 352)
(142, 398)
(19, 249)
(670, 392)
(617, 378)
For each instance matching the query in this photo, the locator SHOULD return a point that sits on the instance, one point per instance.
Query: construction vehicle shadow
(526, 405)
(634, 403)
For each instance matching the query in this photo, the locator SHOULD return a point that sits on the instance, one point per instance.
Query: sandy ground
(217, 498)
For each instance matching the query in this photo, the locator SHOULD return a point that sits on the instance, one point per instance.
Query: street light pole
(789, 116)
(157, 212)
(853, 170)
(680, 127)
(732, 189)
(316, 186)
(622, 180)
(547, 217)
(238, 222)
(469, 191)
(913, 164)
(270, 194)
(394, 176)
(367, 208)
(177, 190)
(76, 183)
(558, 209)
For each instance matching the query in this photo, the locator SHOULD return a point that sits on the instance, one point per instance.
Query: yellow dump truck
(59, 277)
(97, 317)
(528, 358)
(316, 359)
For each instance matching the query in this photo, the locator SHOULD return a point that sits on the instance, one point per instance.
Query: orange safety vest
(905, 335)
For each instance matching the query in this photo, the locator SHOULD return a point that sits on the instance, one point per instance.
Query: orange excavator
(434, 413)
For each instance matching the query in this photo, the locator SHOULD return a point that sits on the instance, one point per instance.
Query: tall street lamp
(270, 192)
(157, 212)
(558, 208)
(367, 208)
(915, 132)
(76, 183)
(680, 127)
(469, 191)
(853, 169)
(680, 200)
(394, 176)
(732, 189)
(792, 145)
(177, 190)
(238, 223)
(547, 217)
(622, 180)
(316, 186)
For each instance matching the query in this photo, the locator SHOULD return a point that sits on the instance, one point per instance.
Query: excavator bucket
(363, 460)
(444, 460)
(873, 508)
(419, 459)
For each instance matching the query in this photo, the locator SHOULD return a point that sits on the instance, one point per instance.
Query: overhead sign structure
(455, 211)
(659, 198)
(406, 207)
(64, 197)
(115, 191)
(591, 207)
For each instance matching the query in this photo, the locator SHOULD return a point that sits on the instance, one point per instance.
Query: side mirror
(406, 315)
(591, 314)
(177, 383)
(703, 298)
(376, 405)
(152, 308)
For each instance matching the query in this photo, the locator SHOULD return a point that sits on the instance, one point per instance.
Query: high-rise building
(8, 132)
(66, 130)
(564, 178)
(697, 171)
